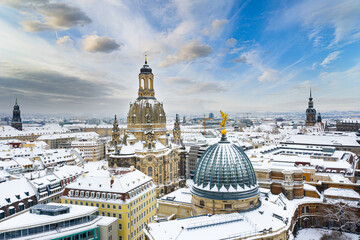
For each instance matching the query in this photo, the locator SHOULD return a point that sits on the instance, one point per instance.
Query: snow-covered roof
(181, 195)
(341, 192)
(13, 189)
(220, 226)
(100, 180)
(28, 219)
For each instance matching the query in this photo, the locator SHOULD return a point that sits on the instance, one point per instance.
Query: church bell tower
(16, 119)
(146, 82)
(310, 112)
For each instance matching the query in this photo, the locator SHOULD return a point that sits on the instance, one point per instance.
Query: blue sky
(83, 57)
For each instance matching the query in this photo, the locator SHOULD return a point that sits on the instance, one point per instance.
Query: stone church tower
(16, 119)
(310, 113)
(146, 144)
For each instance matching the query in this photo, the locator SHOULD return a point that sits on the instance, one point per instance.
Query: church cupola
(146, 82)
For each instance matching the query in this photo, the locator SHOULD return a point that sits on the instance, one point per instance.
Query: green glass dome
(225, 172)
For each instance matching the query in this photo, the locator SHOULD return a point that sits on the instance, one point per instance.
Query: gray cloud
(95, 43)
(54, 85)
(53, 15)
(187, 53)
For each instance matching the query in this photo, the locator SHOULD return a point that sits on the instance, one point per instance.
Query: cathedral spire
(310, 95)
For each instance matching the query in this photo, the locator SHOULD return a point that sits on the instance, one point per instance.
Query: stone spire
(115, 135)
(16, 120)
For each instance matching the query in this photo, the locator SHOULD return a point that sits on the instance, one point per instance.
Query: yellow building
(126, 194)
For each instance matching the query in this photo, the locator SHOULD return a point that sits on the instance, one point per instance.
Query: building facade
(126, 194)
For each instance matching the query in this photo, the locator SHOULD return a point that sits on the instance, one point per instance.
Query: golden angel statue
(223, 122)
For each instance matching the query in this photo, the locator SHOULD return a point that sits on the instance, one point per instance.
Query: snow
(181, 195)
(100, 180)
(10, 189)
(341, 192)
(28, 219)
(221, 225)
(316, 233)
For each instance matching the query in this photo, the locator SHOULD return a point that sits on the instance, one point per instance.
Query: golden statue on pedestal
(223, 122)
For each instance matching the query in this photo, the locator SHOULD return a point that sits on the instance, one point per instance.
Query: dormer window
(82, 194)
(103, 195)
(97, 195)
(76, 193)
(109, 195)
(8, 200)
(17, 196)
(71, 192)
(92, 194)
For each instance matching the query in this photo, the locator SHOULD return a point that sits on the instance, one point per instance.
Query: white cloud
(317, 16)
(268, 75)
(216, 27)
(253, 58)
(95, 43)
(218, 24)
(231, 42)
(331, 57)
(187, 53)
(65, 41)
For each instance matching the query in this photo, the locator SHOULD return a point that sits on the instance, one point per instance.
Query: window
(114, 215)
(102, 205)
(120, 216)
(103, 195)
(120, 226)
(66, 201)
(202, 204)
(114, 206)
(119, 207)
(82, 194)
(150, 171)
(110, 228)
(92, 195)
(228, 206)
(87, 194)
(108, 206)
(160, 169)
(76, 193)
(108, 214)
(97, 195)
(307, 209)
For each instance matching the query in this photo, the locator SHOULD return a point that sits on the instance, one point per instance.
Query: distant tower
(310, 112)
(16, 120)
(115, 135)
(177, 131)
(319, 119)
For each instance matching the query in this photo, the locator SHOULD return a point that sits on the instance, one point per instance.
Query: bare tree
(343, 215)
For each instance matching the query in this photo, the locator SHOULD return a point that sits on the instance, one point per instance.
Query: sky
(84, 56)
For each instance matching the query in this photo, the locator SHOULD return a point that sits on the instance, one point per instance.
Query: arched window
(160, 169)
(150, 171)
(307, 209)
(303, 210)
(171, 166)
(202, 204)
